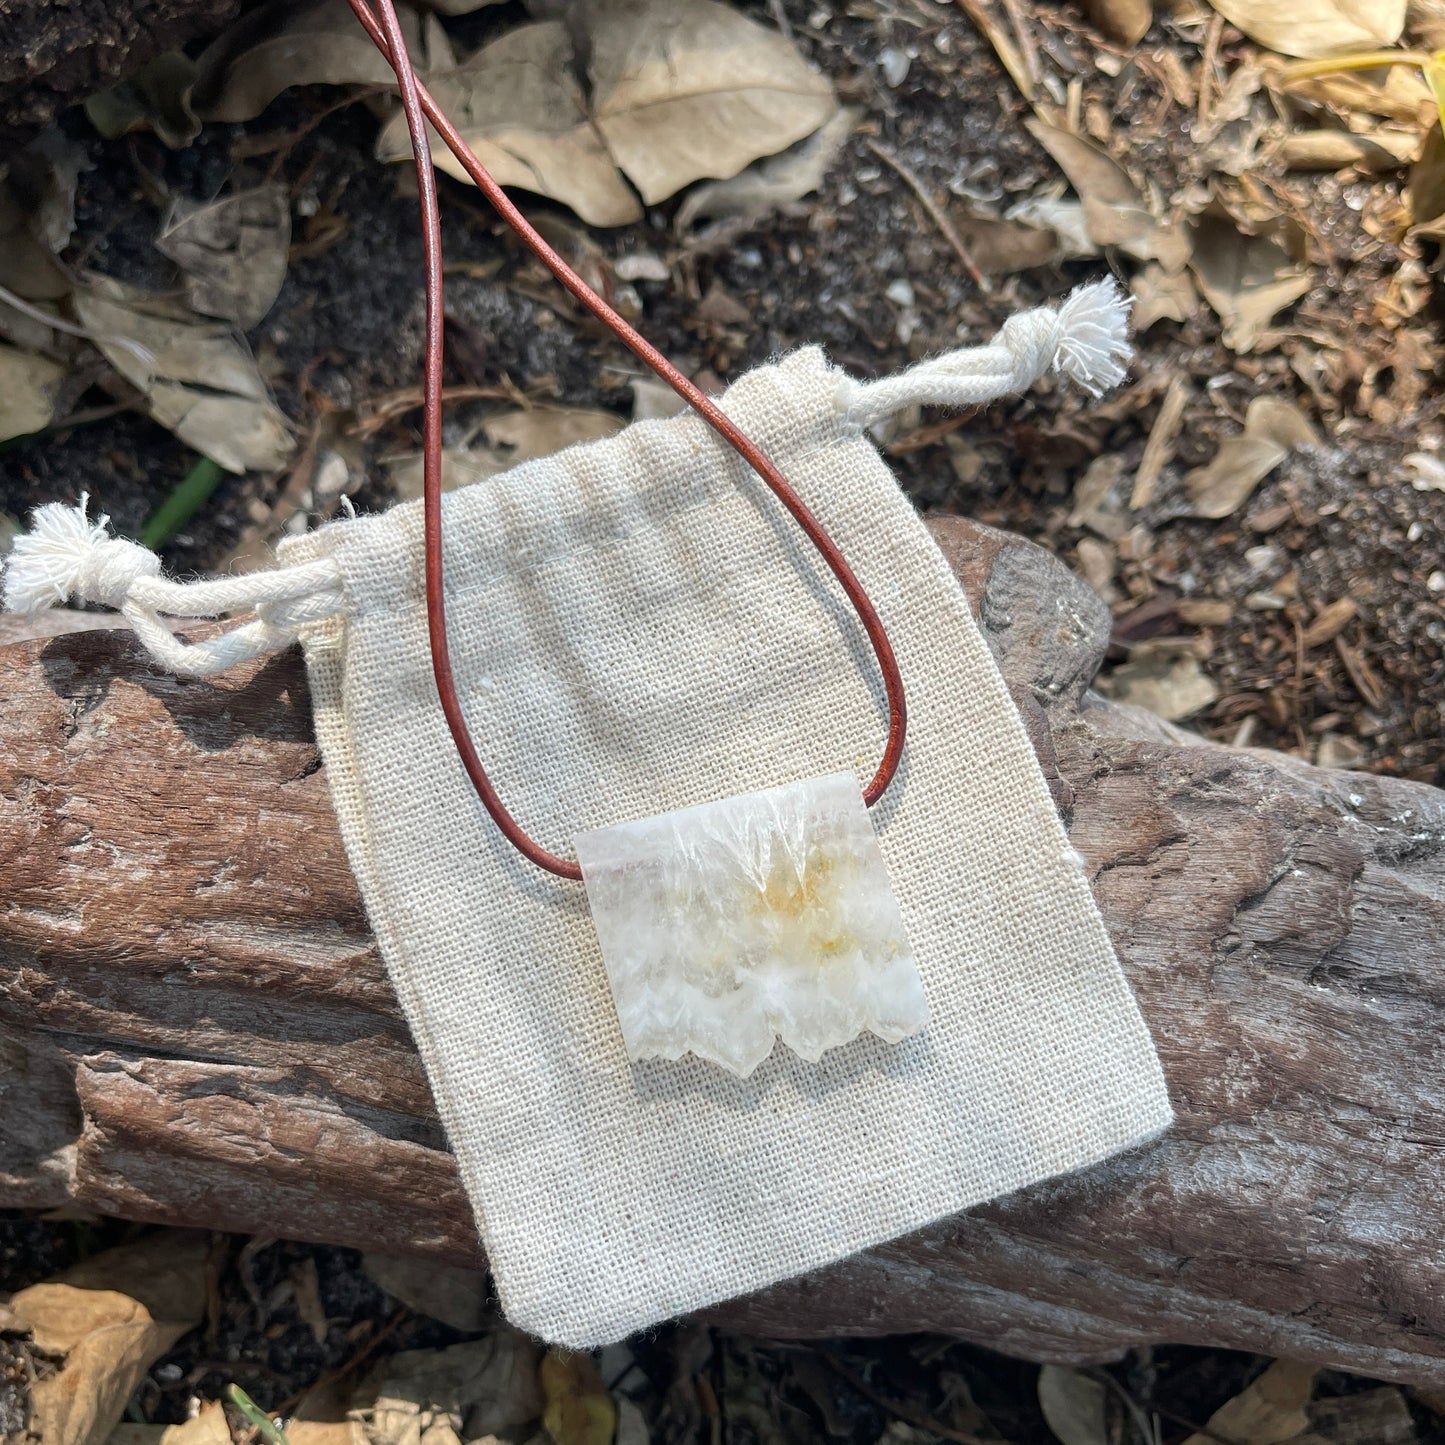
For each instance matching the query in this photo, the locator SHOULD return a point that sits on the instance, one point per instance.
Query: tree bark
(195, 1026)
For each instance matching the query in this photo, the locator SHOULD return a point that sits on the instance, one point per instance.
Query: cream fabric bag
(637, 626)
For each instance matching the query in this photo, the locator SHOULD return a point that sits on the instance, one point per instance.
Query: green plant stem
(187, 498)
(254, 1414)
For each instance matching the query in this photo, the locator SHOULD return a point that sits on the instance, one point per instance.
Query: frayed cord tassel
(66, 556)
(1085, 338)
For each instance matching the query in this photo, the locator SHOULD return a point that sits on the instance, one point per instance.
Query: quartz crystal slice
(727, 926)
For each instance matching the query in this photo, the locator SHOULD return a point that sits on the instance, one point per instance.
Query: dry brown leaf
(1394, 92)
(157, 98)
(1368, 1417)
(1004, 247)
(1098, 562)
(323, 1432)
(680, 91)
(488, 1385)
(306, 1287)
(28, 385)
(1160, 296)
(1280, 421)
(1173, 688)
(579, 1411)
(1123, 20)
(1271, 429)
(1097, 501)
(1226, 483)
(631, 1424)
(1328, 623)
(280, 45)
(1230, 138)
(1316, 27)
(457, 1297)
(1204, 611)
(232, 251)
(1075, 1407)
(1269, 1411)
(47, 172)
(1159, 445)
(1380, 150)
(1114, 210)
(520, 110)
(1246, 279)
(110, 1319)
(522, 436)
(206, 1427)
(773, 181)
(461, 466)
(199, 382)
(1065, 218)
(1426, 187)
(26, 265)
(688, 89)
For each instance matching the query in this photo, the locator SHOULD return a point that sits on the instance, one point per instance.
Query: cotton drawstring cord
(1085, 338)
(67, 556)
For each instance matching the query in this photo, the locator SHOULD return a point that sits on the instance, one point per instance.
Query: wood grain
(195, 1026)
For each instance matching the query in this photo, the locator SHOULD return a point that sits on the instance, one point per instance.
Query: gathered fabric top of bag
(68, 557)
(635, 628)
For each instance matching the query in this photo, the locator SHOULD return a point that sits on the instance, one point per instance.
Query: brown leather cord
(420, 107)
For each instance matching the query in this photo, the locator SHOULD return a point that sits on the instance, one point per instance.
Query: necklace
(385, 31)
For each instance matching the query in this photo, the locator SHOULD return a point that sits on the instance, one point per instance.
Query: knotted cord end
(1093, 338)
(66, 555)
(1085, 338)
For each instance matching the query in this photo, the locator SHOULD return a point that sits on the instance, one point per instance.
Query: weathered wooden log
(195, 1026)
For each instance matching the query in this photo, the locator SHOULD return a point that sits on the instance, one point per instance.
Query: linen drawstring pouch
(636, 627)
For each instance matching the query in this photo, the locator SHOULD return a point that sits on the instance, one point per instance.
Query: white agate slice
(726, 926)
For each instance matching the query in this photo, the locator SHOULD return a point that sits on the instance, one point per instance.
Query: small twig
(395, 406)
(935, 213)
(917, 1418)
(292, 139)
(1141, 1419)
(1212, 37)
(1160, 444)
(780, 18)
(1028, 51)
(1023, 74)
(347, 1367)
(58, 323)
(925, 436)
(89, 414)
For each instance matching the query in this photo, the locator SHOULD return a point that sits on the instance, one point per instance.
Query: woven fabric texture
(636, 626)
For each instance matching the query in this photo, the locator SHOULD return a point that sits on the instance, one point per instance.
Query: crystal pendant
(726, 926)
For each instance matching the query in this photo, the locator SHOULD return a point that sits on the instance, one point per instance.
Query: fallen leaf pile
(616, 105)
(185, 361)
(99, 1327)
(1218, 189)
(168, 1324)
